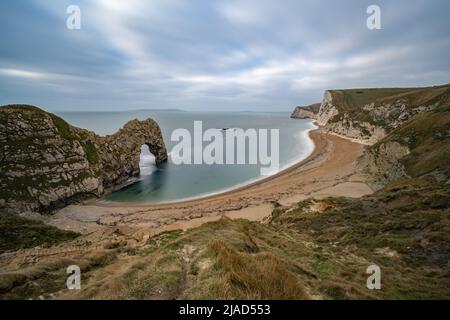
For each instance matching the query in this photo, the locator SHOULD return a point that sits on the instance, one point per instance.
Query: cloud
(226, 54)
(23, 74)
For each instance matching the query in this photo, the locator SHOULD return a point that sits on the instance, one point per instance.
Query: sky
(255, 55)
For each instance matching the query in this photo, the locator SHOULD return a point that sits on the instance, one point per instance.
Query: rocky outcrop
(369, 115)
(119, 154)
(381, 164)
(306, 112)
(45, 163)
(334, 119)
(328, 109)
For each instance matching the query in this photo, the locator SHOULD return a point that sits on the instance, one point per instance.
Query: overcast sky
(215, 55)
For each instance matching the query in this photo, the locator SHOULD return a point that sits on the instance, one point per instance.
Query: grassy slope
(409, 216)
(428, 137)
(20, 233)
(355, 99)
(300, 254)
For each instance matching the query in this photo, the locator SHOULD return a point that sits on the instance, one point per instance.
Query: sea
(172, 182)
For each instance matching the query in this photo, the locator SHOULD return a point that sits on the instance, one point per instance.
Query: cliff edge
(45, 163)
(306, 112)
(369, 115)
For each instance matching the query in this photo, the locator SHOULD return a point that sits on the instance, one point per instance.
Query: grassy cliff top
(312, 107)
(19, 107)
(355, 99)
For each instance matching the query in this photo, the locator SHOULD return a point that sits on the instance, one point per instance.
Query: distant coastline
(160, 110)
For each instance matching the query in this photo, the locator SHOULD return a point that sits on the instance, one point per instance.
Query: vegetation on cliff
(367, 104)
(46, 163)
(20, 233)
(369, 115)
(426, 139)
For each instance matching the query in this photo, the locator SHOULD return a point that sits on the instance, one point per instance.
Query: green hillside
(388, 101)
(355, 99)
(20, 233)
(428, 137)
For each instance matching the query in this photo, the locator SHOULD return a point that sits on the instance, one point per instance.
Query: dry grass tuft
(254, 276)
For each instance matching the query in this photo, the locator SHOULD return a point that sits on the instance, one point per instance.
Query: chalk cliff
(369, 115)
(45, 163)
(306, 112)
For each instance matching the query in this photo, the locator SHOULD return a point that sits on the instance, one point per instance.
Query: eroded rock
(47, 163)
(306, 112)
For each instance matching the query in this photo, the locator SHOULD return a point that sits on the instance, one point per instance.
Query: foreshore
(328, 171)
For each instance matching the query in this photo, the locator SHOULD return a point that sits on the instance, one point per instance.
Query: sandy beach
(328, 171)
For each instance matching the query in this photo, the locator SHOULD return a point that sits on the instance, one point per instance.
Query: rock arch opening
(147, 161)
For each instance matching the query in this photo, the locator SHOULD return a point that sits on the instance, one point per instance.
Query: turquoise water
(169, 182)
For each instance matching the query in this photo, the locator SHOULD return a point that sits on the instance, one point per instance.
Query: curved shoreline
(327, 172)
(313, 135)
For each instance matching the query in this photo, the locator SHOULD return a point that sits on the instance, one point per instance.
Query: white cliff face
(361, 132)
(327, 109)
(382, 117)
(346, 127)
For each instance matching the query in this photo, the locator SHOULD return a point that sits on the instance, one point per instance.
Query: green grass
(20, 233)
(41, 279)
(427, 136)
(356, 98)
(63, 128)
(298, 254)
(91, 152)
